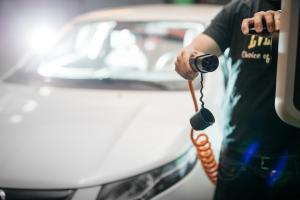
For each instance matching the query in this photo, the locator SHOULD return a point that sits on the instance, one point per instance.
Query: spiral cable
(201, 142)
(201, 91)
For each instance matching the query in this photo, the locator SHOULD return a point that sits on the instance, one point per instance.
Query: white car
(102, 115)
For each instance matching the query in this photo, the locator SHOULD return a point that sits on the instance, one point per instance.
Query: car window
(119, 51)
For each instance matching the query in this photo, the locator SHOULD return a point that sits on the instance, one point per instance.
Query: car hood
(68, 138)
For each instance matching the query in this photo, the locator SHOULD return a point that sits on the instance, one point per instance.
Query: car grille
(18, 194)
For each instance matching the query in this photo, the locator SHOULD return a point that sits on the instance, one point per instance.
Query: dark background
(17, 16)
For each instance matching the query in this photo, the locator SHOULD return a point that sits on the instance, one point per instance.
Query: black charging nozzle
(203, 64)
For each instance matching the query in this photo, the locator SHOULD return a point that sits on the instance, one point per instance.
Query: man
(260, 154)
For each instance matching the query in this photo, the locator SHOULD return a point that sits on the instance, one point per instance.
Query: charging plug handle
(204, 63)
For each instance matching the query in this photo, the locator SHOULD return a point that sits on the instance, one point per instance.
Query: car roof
(200, 13)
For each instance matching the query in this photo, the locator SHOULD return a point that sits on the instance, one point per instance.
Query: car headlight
(148, 185)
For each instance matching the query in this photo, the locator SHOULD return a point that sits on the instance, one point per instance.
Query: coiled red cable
(203, 146)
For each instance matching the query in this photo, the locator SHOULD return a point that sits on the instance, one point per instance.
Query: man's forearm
(205, 44)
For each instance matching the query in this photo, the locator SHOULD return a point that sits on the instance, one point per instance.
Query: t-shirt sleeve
(221, 26)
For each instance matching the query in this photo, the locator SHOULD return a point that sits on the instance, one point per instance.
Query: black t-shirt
(250, 80)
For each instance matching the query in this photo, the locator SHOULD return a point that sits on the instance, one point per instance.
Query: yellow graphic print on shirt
(258, 48)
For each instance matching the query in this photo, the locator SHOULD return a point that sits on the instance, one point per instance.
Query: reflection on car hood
(69, 138)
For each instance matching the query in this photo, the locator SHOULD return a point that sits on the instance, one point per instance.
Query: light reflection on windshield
(112, 55)
(119, 50)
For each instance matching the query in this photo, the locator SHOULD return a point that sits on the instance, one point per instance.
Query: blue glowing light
(250, 151)
(279, 168)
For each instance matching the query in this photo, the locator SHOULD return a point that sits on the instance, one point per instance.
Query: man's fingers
(182, 66)
(245, 25)
(258, 22)
(269, 18)
(272, 19)
(180, 70)
(186, 60)
(178, 66)
(184, 74)
(277, 20)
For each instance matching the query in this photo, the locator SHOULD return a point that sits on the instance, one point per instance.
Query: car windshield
(132, 52)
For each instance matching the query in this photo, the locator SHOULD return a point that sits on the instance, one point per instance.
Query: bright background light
(41, 38)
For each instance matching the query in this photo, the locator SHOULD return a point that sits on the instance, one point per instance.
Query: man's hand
(271, 17)
(202, 43)
(182, 63)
